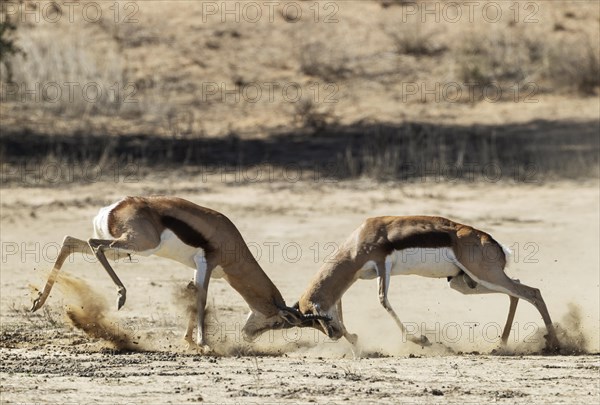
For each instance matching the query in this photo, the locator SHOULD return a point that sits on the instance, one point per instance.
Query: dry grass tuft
(417, 39)
(153, 82)
(573, 63)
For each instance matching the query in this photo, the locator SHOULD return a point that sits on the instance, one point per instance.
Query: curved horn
(315, 317)
(296, 318)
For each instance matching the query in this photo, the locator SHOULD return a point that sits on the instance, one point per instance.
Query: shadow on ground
(527, 151)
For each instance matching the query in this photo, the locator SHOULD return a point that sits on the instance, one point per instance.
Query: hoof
(193, 347)
(37, 303)
(120, 301)
(422, 341)
(121, 297)
(552, 345)
(357, 352)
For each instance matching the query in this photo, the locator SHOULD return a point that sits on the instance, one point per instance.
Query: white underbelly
(171, 247)
(426, 262)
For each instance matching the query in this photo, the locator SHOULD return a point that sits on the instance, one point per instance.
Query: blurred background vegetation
(389, 89)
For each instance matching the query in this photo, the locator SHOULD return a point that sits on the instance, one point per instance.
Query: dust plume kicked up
(185, 298)
(570, 332)
(89, 314)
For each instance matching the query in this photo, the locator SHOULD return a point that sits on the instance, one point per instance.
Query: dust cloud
(572, 336)
(89, 314)
(570, 331)
(184, 299)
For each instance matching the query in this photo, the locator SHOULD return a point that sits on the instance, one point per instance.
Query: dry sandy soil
(553, 229)
(168, 56)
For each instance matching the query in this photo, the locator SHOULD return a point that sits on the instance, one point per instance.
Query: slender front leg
(70, 246)
(384, 271)
(511, 316)
(201, 280)
(350, 337)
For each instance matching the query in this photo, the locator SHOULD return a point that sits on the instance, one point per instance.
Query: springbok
(471, 260)
(195, 236)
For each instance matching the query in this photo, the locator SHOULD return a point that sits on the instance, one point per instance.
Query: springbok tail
(507, 254)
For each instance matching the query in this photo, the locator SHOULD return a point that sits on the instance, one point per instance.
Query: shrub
(573, 64)
(414, 40)
(319, 60)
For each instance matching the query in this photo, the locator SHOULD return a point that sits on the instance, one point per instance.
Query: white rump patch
(507, 254)
(100, 222)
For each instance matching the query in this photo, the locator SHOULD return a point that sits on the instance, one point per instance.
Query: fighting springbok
(195, 236)
(471, 260)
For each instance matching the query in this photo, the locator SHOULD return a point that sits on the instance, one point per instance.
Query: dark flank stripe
(186, 233)
(421, 240)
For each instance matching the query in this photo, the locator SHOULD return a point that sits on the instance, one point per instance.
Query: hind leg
(201, 281)
(511, 316)
(533, 296)
(118, 248)
(70, 246)
(494, 278)
(484, 262)
(466, 285)
(98, 247)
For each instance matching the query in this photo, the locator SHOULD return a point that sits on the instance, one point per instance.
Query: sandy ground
(292, 228)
